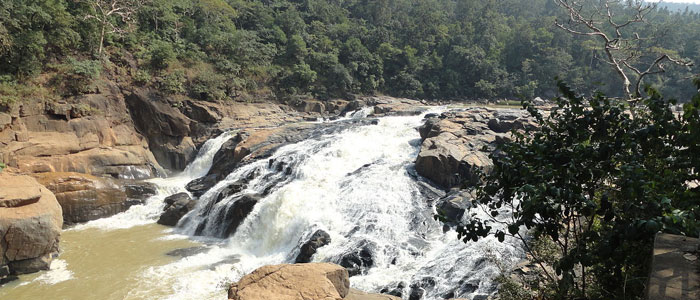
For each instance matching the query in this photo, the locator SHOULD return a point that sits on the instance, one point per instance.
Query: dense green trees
(224, 49)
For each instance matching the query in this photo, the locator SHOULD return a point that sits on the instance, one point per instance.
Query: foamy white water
(58, 272)
(152, 208)
(354, 185)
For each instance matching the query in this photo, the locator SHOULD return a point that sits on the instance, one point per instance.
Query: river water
(356, 185)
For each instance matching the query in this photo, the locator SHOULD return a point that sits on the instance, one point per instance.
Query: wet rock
(238, 211)
(176, 207)
(30, 230)
(225, 160)
(416, 293)
(252, 144)
(139, 190)
(359, 261)
(397, 291)
(454, 205)
(319, 239)
(201, 185)
(230, 189)
(185, 252)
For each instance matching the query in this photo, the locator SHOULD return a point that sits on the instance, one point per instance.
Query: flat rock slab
(18, 191)
(675, 270)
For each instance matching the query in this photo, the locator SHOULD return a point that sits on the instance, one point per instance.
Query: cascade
(357, 185)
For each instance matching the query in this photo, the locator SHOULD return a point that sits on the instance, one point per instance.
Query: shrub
(162, 55)
(598, 179)
(173, 83)
(208, 86)
(141, 78)
(76, 77)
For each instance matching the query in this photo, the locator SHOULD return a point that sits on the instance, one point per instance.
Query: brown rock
(85, 197)
(458, 144)
(360, 295)
(29, 230)
(317, 281)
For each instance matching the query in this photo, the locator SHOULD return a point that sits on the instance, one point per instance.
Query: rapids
(356, 185)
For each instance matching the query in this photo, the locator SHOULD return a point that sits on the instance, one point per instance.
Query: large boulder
(30, 225)
(201, 185)
(176, 207)
(85, 197)
(319, 281)
(456, 145)
(315, 281)
(319, 239)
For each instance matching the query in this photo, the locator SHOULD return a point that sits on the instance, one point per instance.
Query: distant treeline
(235, 49)
(680, 7)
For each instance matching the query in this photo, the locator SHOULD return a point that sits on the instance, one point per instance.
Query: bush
(598, 179)
(208, 86)
(11, 92)
(162, 55)
(76, 77)
(173, 83)
(141, 78)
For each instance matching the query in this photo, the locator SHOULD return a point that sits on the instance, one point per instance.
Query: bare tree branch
(624, 51)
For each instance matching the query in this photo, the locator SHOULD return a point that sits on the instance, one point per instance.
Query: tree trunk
(102, 38)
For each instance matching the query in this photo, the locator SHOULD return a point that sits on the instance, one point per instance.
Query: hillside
(286, 50)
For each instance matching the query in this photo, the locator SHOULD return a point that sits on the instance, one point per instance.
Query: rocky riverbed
(84, 159)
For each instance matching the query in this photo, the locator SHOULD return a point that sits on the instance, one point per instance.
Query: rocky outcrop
(86, 134)
(30, 225)
(167, 129)
(457, 144)
(176, 207)
(318, 281)
(384, 105)
(317, 240)
(85, 197)
(256, 143)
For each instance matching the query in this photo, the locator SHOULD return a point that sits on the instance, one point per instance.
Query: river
(356, 185)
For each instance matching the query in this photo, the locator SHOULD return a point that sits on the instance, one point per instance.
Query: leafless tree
(624, 49)
(113, 16)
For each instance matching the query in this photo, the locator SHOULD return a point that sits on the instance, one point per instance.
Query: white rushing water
(153, 206)
(355, 185)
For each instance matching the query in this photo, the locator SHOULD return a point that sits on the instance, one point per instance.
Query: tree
(622, 45)
(596, 182)
(113, 16)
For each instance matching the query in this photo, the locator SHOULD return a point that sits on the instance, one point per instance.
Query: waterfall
(354, 185)
(152, 208)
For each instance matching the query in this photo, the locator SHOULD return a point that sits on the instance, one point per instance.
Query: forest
(285, 49)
